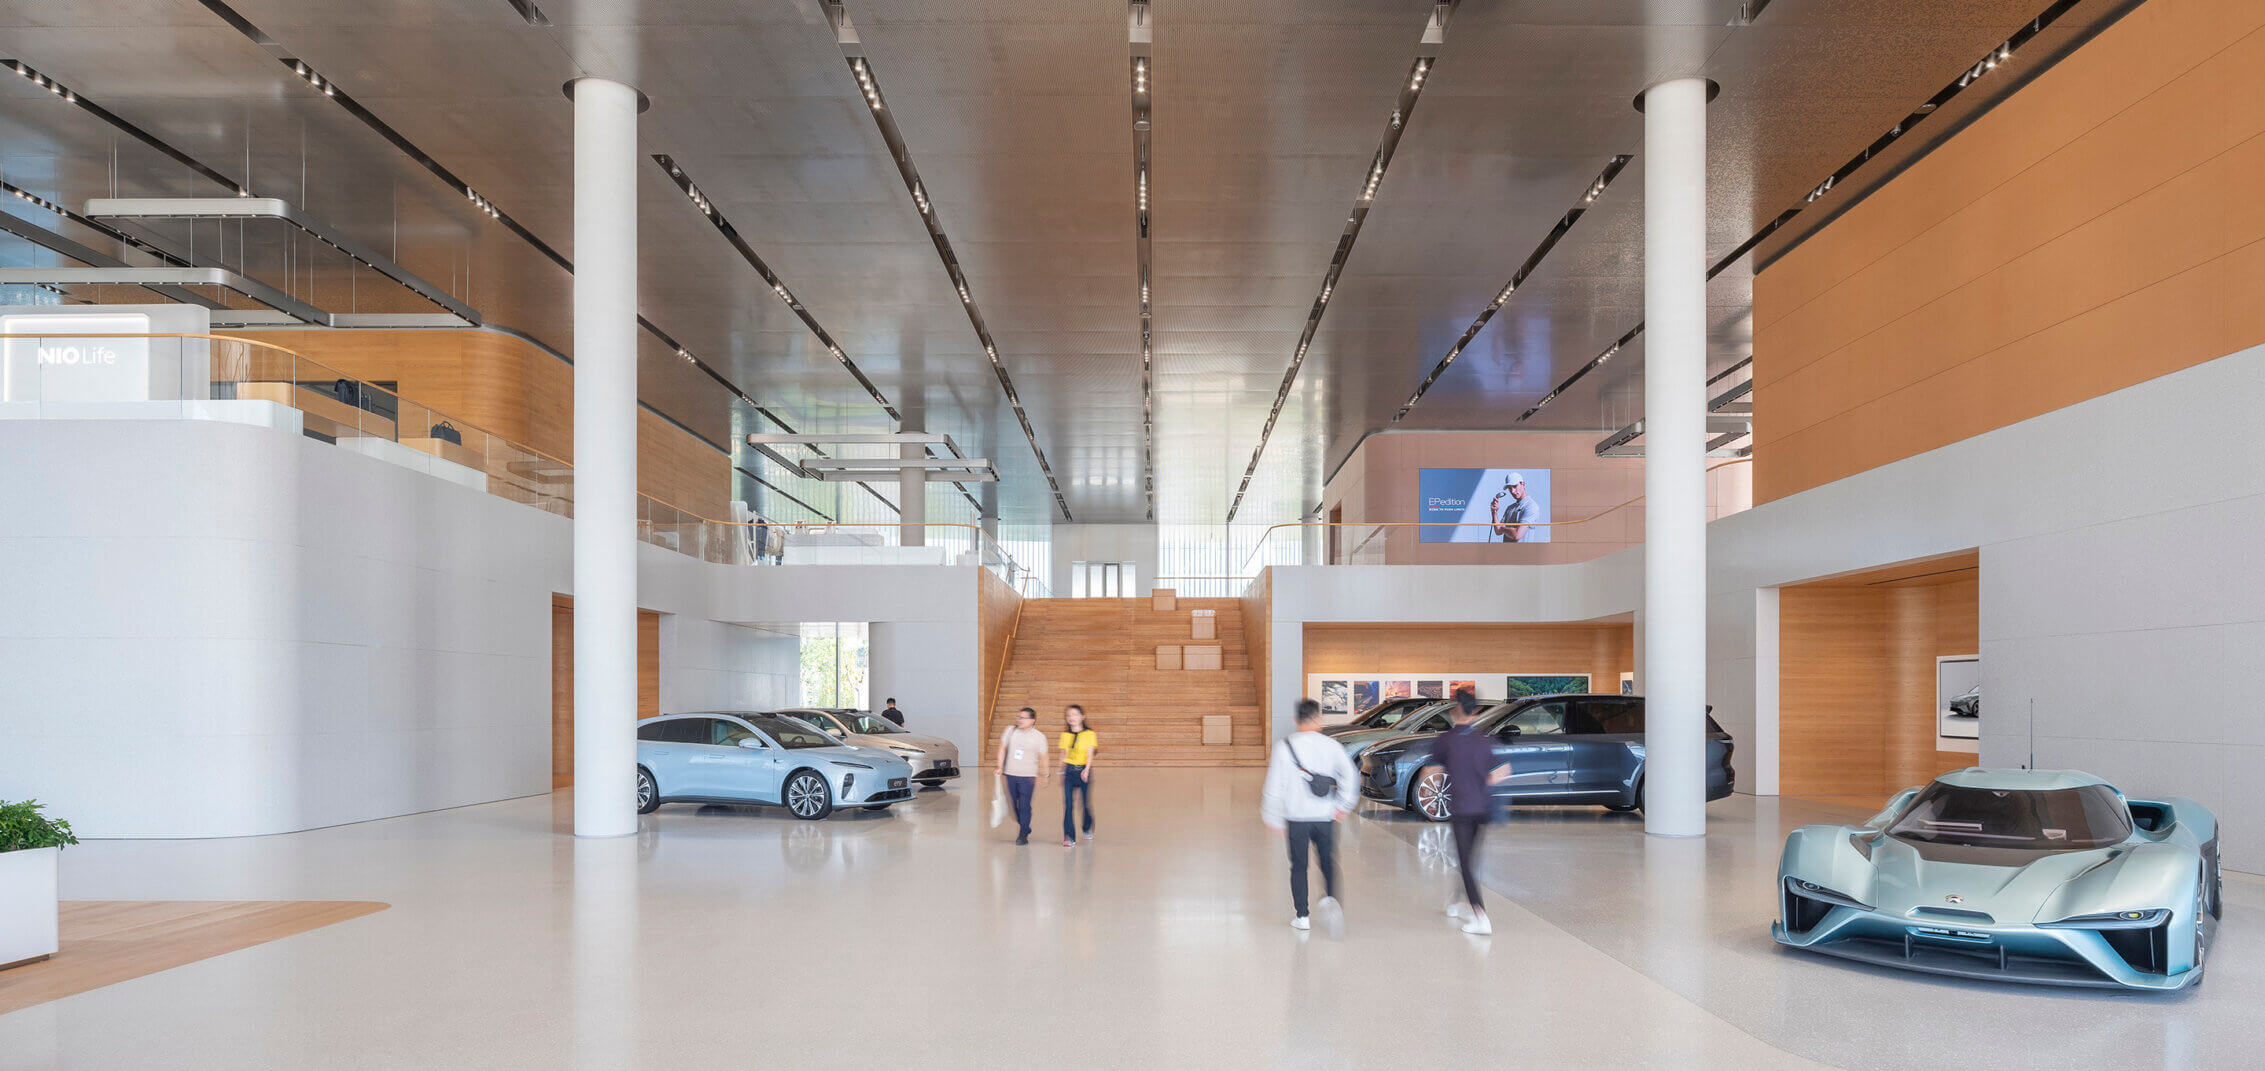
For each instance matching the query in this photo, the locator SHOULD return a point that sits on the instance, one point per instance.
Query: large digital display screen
(1483, 505)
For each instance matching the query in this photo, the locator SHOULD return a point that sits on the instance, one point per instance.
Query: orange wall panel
(2095, 230)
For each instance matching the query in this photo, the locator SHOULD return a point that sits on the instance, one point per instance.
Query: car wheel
(2217, 890)
(648, 793)
(808, 797)
(1428, 796)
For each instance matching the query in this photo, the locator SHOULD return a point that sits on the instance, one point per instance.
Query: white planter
(27, 905)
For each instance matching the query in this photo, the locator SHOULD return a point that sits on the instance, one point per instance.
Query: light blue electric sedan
(742, 757)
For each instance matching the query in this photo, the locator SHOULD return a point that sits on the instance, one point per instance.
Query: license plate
(896, 782)
(1944, 933)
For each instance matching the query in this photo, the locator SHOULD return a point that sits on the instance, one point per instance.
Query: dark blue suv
(1560, 748)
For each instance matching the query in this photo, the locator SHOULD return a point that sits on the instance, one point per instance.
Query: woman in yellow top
(1079, 742)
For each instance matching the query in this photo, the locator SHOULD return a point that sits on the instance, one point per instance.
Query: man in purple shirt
(1472, 772)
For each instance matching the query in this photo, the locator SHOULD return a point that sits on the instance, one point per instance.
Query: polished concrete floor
(922, 937)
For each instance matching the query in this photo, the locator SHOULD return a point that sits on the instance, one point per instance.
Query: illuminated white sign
(49, 359)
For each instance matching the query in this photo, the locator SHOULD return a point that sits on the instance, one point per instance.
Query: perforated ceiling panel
(1266, 119)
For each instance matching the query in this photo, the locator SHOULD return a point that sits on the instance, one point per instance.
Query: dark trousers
(1019, 789)
(1323, 838)
(1073, 786)
(1467, 830)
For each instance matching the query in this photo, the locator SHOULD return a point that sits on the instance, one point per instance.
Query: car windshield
(1383, 717)
(2055, 819)
(793, 733)
(867, 723)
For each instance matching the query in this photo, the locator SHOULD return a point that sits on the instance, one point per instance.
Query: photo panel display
(1523, 684)
(1336, 697)
(1365, 695)
(1483, 505)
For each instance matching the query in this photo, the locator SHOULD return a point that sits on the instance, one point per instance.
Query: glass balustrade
(218, 377)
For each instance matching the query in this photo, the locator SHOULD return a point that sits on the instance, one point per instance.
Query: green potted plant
(29, 844)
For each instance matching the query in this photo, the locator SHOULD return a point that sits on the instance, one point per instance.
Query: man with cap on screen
(1510, 521)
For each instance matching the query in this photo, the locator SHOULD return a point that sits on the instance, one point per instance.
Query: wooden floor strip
(110, 941)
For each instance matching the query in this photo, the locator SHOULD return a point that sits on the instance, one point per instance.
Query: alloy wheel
(1431, 796)
(645, 790)
(2201, 914)
(805, 795)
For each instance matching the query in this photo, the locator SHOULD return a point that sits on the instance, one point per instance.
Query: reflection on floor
(110, 941)
(922, 936)
(1869, 804)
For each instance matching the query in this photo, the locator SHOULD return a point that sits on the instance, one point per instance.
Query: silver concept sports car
(934, 760)
(2047, 876)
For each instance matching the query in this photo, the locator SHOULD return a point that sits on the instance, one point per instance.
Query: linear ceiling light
(1142, 37)
(1427, 54)
(1533, 260)
(69, 96)
(869, 85)
(1992, 60)
(716, 218)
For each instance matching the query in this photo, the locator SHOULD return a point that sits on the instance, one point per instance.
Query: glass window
(685, 731)
(1620, 716)
(1437, 722)
(652, 731)
(728, 733)
(1539, 719)
(2060, 819)
(792, 733)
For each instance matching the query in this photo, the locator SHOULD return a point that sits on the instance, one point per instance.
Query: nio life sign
(49, 357)
(95, 353)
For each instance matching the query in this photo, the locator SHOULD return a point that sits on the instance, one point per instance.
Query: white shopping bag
(999, 802)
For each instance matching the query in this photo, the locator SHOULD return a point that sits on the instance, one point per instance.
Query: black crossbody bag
(1322, 785)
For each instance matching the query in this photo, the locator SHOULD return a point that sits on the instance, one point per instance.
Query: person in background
(1472, 772)
(1079, 741)
(892, 713)
(1022, 764)
(1310, 784)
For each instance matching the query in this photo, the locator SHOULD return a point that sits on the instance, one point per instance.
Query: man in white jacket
(1310, 784)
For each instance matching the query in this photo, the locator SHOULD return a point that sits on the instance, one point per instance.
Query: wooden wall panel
(562, 681)
(1857, 716)
(1602, 651)
(997, 609)
(2097, 229)
(1258, 641)
(1832, 717)
(513, 388)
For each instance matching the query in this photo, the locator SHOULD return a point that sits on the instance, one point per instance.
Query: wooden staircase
(1101, 654)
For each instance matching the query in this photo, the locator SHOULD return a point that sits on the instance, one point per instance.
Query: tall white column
(605, 458)
(1675, 483)
(912, 497)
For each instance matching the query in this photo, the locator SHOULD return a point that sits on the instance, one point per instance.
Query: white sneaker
(1332, 916)
(1300, 923)
(1457, 909)
(1479, 925)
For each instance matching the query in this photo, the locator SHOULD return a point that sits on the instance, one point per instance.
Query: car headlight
(1814, 891)
(2114, 920)
(908, 752)
(851, 765)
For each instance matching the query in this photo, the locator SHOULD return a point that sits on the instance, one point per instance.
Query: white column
(912, 497)
(605, 458)
(1675, 484)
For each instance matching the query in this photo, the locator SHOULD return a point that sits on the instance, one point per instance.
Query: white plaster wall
(712, 665)
(217, 629)
(2122, 587)
(932, 669)
(212, 629)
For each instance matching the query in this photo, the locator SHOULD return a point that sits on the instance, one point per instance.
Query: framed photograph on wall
(1431, 689)
(1399, 689)
(1336, 697)
(1365, 695)
(1523, 684)
(1461, 686)
(1958, 703)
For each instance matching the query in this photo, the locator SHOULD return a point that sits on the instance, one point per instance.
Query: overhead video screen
(1483, 505)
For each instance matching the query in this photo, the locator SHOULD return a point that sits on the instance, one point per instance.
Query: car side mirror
(837, 733)
(751, 743)
(1512, 730)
